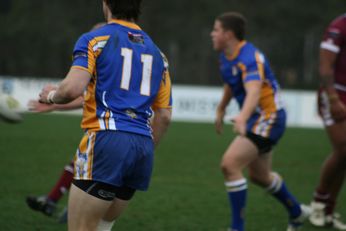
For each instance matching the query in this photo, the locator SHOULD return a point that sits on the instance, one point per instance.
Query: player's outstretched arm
(36, 106)
(70, 88)
(161, 121)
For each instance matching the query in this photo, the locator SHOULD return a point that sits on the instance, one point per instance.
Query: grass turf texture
(186, 193)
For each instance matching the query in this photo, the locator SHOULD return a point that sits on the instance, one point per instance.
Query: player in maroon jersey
(332, 109)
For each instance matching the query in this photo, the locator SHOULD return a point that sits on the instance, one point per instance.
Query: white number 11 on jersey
(147, 61)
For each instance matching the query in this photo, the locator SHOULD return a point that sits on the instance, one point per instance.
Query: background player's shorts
(324, 106)
(266, 130)
(117, 158)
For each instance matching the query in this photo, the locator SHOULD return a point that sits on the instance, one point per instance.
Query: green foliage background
(37, 36)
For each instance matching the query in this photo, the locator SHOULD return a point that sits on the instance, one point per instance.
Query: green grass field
(187, 192)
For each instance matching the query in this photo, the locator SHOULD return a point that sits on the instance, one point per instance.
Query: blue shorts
(117, 158)
(269, 126)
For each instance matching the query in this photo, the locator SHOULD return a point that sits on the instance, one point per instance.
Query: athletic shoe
(320, 219)
(295, 223)
(63, 217)
(42, 204)
(335, 222)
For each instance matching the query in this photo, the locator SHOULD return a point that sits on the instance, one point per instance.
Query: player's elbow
(165, 116)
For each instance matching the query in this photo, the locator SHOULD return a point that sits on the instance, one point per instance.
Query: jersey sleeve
(83, 54)
(335, 35)
(164, 96)
(252, 67)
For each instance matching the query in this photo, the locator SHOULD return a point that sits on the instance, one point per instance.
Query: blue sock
(279, 190)
(237, 198)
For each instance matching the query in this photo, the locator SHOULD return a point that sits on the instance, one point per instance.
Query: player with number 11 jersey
(121, 93)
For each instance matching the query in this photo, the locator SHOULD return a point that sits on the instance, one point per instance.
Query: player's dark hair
(235, 22)
(125, 9)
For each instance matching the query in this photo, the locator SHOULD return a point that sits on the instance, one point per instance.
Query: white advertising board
(190, 103)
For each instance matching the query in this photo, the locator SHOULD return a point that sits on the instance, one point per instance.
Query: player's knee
(257, 178)
(340, 150)
(339, 157)
(229, 168)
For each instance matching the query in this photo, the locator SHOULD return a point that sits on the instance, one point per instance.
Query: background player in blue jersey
(124, 76)
(259, 125)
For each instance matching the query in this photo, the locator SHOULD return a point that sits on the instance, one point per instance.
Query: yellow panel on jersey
(164, 97)
(267, 101)
(89, 107)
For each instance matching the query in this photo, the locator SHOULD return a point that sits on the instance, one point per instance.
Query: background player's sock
(63, 184)
(279, 190)
(105, 226)
(324, 197)
(237, 198)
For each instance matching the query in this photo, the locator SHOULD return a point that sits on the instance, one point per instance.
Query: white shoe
(320, 219)
(335, 222)
(296, 223)
(318, 216)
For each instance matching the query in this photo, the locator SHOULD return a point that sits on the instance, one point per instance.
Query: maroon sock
(63, 183)
(330, 207)
(324, 197)
(321, 196)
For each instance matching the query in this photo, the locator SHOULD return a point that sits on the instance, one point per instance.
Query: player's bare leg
(331, 180)
(240, 153)
(115, 210)
(85, 211)
(260, 173)
(260, 170)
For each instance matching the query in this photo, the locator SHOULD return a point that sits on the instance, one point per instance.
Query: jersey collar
(237, 50)
(125, 23)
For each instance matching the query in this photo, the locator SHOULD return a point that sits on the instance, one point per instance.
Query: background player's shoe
(63, 217)
(42, 204)
(335, 222)
(295, 223)
(320, 219)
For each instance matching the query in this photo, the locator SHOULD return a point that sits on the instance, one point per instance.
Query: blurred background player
(259, 125)
(125, 76)
(332, 109)
(47, 203)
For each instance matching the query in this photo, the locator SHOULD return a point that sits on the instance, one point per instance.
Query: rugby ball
(10, 109)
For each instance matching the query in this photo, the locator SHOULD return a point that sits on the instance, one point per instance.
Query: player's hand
(44, 93)
(239, 125)
(36, 106)
(220, 114)
(337, 110)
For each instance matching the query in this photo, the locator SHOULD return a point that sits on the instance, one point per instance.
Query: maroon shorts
(324, 105)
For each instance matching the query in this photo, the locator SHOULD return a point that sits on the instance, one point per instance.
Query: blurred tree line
(37, 36)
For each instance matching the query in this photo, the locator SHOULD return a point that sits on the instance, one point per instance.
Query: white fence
(190, 103)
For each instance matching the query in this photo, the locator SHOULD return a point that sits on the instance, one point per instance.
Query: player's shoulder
(248, 53)
(338, 23)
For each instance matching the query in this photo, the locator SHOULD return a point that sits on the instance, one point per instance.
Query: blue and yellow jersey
(129, 78)
(248, 64)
